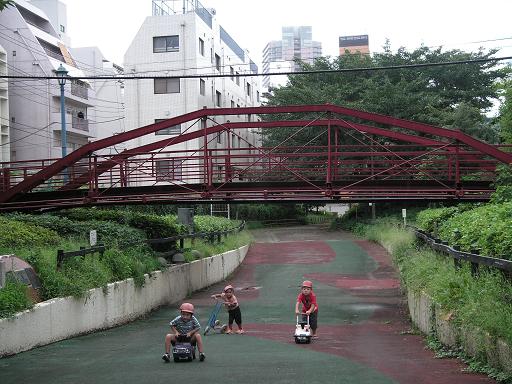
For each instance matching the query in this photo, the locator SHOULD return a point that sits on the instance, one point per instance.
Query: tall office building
(354, 44)
(296, 43)
(187, 41)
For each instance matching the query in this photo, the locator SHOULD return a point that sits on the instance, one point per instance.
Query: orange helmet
(228, 287)
(307, 283)
(187, 307)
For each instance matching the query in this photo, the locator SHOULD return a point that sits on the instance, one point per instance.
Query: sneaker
(166, 358)
(217, 322)
(202, 356)
(240, 332)
(229, 332)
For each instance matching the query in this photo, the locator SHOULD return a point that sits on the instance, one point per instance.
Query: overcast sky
(112, 24)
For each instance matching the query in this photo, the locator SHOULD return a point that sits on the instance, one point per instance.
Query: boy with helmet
(307, 298)
(184, 329)
(231, 303)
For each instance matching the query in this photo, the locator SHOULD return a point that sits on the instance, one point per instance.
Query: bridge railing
(458, 256)
(316, 163)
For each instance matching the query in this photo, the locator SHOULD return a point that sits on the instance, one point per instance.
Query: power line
(314, 72)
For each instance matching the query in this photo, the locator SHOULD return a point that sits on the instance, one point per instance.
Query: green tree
(453, 96)
(506, 110)
(5, 3)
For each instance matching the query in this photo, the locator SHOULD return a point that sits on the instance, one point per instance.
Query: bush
(13, 298)
(63, 226)
(15, 234)
(213, 224)
(487, 227)
(262, 212)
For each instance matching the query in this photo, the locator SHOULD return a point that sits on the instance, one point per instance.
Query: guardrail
(61, 255)
(473, 257)
(210, 236)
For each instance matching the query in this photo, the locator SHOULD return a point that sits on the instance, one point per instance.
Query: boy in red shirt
(309, 306)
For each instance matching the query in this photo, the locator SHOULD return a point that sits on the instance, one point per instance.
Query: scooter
(213, 323)
(302, 330)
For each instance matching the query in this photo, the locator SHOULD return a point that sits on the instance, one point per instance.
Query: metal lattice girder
(470, 150)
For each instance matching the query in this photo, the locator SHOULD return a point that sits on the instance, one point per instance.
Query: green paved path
(362, 327)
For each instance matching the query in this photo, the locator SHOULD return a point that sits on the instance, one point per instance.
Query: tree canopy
(452, 96)
(5, 3)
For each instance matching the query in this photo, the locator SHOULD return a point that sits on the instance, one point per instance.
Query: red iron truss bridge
(345, 155)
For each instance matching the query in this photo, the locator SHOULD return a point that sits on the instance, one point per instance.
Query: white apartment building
(190, 43)
(5, 145)
(34, 48)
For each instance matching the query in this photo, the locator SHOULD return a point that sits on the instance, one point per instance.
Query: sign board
(404, 213)
(93, 237)
(186, 217)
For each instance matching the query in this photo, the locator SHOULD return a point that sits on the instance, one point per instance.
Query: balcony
(80, 124)
(78, 89)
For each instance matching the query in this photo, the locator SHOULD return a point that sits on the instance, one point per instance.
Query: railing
(61, 255)
(210, 236)
(473, 257)
(80, 124)
(79, 90)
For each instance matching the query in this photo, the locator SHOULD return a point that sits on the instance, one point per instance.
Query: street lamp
(62, 73)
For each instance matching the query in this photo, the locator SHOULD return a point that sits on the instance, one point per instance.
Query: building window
(166, 44)
(258, 96)
(174, 130)
(62, 28)
(219, 137)
(202, 87)
(232, 104)
(249, 90)
(167, 86)
(217, 62)
(237, 78)
(218, 99)
(168, 170)
(232, 73)
(201, 47)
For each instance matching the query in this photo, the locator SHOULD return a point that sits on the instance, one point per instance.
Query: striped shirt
(185, 327)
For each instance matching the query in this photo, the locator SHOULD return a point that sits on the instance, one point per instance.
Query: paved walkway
(364, 334)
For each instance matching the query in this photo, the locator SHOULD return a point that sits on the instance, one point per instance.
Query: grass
(206, 249)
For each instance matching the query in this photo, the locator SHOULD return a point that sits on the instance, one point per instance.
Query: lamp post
(62, 74)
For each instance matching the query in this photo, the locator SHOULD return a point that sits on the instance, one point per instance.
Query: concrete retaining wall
(431, 319)
(62, 318)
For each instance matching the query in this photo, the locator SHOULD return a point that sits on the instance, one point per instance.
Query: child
(309, 306)
(233, 308)
(185, 328)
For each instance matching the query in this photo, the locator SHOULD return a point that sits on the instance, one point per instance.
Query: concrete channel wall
(431, 319)
(121, 302)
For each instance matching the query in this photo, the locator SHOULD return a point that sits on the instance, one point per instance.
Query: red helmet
(187, 307)
(228, 287)
(307, 283)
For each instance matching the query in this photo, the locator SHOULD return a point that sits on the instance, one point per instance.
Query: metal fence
(458, 256)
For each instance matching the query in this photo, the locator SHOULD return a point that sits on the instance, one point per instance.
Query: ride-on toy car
(183, 350)
(302, 330)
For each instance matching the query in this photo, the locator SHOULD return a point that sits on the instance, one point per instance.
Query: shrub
(13, 298)
(487, 227)
(213, 224)
(17, 234)
(63, 226)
